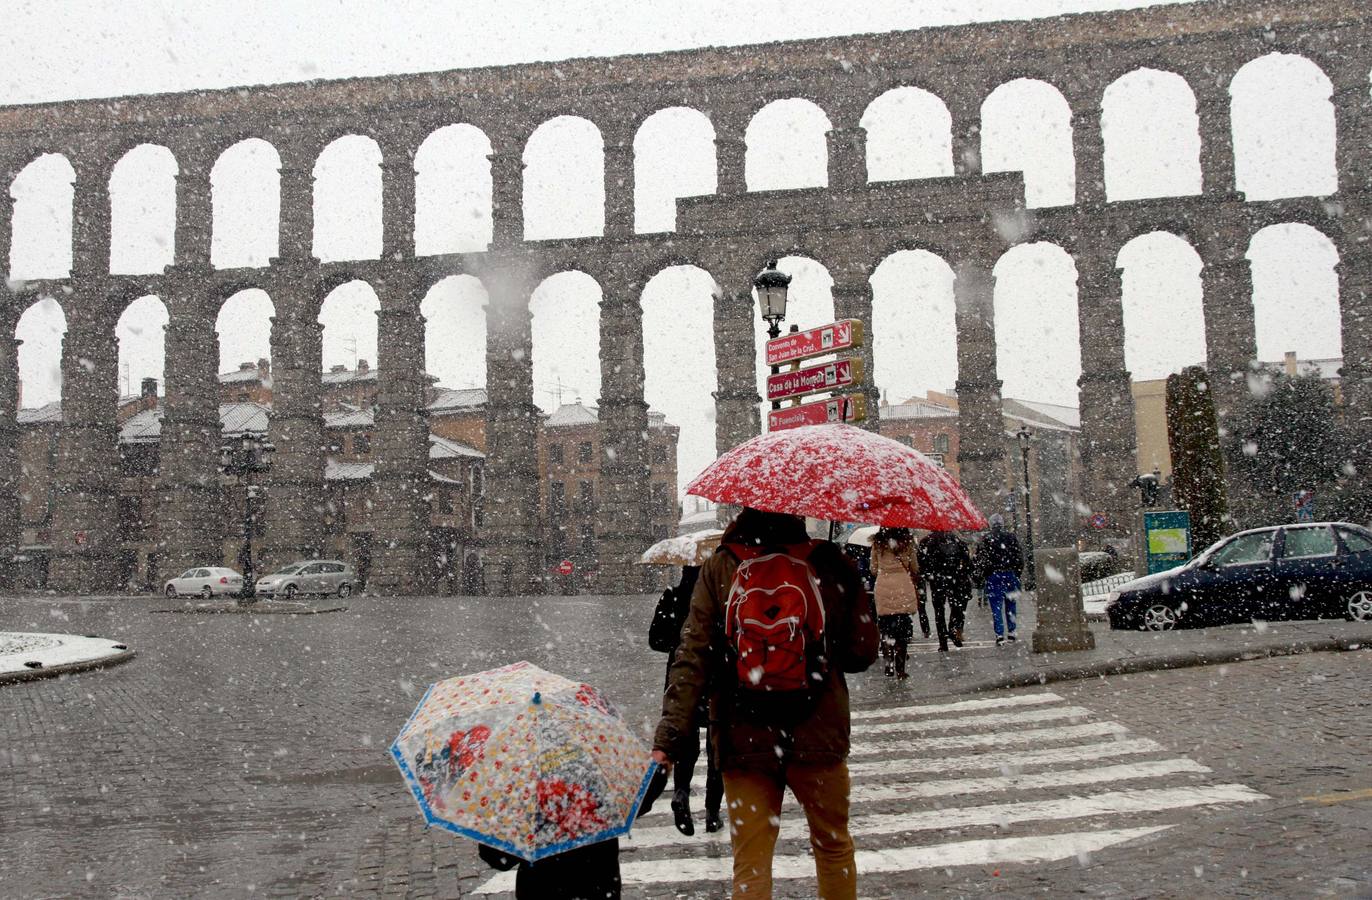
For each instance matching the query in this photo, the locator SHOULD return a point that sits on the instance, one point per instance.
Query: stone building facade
(969, 219)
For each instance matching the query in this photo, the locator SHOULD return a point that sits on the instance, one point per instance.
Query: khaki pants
(754, 800)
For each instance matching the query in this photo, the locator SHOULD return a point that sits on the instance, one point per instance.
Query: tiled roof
(347, 471)
(350, 418)
(48, 413)
(234, 419)
(447, 399)
(243, 376)
(918, 409)
(442, 448)
(569, 414)
(1050, 414)
(347, 376)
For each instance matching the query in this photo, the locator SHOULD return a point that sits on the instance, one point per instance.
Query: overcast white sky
(1284, 135)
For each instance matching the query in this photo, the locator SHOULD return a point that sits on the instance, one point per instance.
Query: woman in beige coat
(894, 563)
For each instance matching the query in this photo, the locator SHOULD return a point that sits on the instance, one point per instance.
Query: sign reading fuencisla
(842, 408)
(1166, 539)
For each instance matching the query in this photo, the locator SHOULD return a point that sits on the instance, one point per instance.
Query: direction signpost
(842, 408)
(831, 376)
(832, 338)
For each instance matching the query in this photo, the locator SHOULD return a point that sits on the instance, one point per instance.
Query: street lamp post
(1029, 579)
(242, 458)
(772, 286)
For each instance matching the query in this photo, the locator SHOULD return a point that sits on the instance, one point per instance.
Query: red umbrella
(842, 473)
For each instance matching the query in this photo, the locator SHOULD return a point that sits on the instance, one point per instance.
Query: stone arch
(1295, 293)
(141, 335)
(41, 229)
(680, 376)
(347, 199)
(674, 156)
(245, 191)
(1160, 279)
(349, 335)
(453, 191)
(1026, 126)
(909, 135)
(565, 338)
(454, 311)
(1284, 129)
(1035, 310)
(244, 329)
(914, 330)
(787, 146)
(143, 210)
(1154, 109)
(564, 180)
(40, 329)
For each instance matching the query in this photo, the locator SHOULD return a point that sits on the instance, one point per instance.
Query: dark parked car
(1308, 571)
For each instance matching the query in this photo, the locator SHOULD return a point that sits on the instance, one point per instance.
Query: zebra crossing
(1021, 779)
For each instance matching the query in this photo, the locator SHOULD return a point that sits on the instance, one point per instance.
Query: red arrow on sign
(832, 338)
(835, 409)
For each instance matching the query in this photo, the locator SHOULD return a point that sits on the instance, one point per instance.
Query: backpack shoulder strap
(802, 551)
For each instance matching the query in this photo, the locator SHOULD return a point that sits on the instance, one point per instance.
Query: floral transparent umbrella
(523, 760)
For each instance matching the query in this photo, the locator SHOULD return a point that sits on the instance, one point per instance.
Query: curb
(1218, 656)
(88, 665)
(253, 610)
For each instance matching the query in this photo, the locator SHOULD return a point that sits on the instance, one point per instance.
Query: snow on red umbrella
(841, 473)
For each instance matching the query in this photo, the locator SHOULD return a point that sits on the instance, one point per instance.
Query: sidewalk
(982, 666)
(25, 656)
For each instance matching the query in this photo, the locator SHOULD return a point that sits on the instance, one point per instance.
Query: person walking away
(665, 636)
(945, 569)
(1000, 560)
(775, 622)
(897, 596)
(589, 872)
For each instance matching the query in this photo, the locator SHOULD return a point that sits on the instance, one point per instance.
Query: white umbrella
(683, 550)
(863, 536)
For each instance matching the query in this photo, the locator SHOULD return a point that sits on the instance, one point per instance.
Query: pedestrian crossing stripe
(1058, 762)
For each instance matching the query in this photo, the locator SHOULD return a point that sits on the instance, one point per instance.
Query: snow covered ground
(19, 650)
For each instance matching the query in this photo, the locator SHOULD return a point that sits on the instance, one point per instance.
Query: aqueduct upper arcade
(968, 218)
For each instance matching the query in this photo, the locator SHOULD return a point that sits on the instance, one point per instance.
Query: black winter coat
(946, 567)
(999, 552)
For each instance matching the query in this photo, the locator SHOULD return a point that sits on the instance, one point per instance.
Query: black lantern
(772, 286)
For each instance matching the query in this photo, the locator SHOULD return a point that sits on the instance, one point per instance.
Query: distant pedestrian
(668, 639)
(775, 622)
(945, 569)
(897, 594)
(1000, 562)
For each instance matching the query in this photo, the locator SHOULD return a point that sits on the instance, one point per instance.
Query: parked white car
(313, 576)
(208, 582)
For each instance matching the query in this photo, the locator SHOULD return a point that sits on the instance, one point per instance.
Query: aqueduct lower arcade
(968, 217)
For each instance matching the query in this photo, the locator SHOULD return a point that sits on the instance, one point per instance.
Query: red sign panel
(835, 409)
(832, 338)
(834, 376)
(565, 567)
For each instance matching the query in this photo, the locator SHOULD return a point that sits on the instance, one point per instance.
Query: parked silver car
(208, 581)
(313, 576)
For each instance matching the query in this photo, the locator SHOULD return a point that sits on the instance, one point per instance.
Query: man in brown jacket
(759, 759)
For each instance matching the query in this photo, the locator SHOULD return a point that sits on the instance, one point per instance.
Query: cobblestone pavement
(243, 755)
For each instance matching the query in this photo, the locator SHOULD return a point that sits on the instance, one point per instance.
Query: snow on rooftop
(446, 399)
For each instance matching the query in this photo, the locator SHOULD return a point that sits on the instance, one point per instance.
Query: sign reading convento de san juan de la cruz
(825, 377)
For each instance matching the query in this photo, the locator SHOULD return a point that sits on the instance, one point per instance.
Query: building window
(940, 443)
(557, 499)
(659, 493)
(445, 502)
(584, 452)
(362, 444)
(554, 454)
(660, 455)
(588, 540)
(585, 496)
(908, 440)
(130, 515)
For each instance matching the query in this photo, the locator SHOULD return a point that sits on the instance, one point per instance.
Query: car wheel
(289, 592)
(1159, 617)
(345, 590)
(1359, 607)
(171, 591)
(206, 593)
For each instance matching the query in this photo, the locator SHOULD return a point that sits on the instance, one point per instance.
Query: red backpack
(774, 622)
